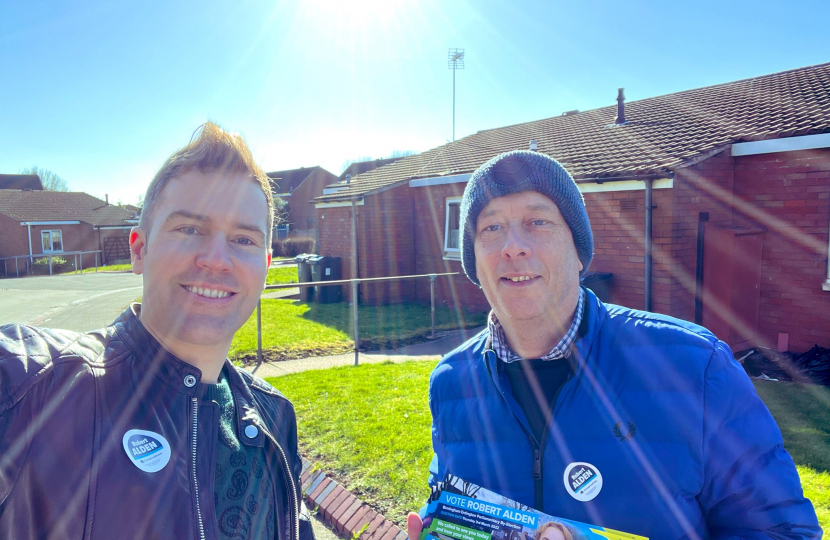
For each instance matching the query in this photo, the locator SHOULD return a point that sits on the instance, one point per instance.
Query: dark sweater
(243, 489)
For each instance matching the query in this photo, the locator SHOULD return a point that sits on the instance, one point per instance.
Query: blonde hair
(211, 148)
(561, 527)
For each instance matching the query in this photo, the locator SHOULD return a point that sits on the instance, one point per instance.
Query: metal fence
(27, 266)
(354, 283)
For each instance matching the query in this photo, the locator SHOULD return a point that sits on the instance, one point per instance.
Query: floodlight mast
(455, 60)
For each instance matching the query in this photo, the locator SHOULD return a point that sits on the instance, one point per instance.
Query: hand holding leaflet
(459, 510)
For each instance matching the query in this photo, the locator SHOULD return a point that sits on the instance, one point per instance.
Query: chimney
(534, 146)
(620, 119)
(348, 179)
(106, 199)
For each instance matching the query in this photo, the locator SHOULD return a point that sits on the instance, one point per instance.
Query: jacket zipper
(538, 480)
(195, 480)
(295, 507)
(538, 490)
(536, 472)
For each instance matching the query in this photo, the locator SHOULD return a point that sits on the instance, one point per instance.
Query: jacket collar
(185, 378)
(593, 318)
(246, 412)
(155, 359)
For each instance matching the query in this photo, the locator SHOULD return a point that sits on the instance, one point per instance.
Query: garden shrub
(40, 266)
(291, 247)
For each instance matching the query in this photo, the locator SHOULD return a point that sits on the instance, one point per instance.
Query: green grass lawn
(288, 332)
(44, 271)
(292, 329)
(282, 274)
(803, 414)
(369, 425)
(110, 268)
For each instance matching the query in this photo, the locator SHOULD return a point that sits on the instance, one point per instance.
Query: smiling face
(204, 260)
(526, 260)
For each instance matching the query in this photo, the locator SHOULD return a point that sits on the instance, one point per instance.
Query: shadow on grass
(803, 414)
(392, 326)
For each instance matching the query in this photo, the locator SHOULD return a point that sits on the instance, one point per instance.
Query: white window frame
(51, 233)
(452, 253)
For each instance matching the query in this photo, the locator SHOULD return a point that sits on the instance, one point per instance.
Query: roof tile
(63, 206)
(662, 133)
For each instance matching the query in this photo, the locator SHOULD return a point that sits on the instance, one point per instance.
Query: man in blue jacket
(589, 411)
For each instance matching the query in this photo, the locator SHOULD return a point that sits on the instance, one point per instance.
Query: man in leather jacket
(144, 429)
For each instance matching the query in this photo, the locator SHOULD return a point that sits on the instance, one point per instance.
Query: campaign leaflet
(459, 510)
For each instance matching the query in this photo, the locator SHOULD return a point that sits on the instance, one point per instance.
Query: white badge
(148, 451)
(583, 481)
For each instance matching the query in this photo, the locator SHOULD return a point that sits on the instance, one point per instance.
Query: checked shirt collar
(560, 350)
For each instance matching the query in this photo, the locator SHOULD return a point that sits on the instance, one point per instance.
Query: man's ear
(138, 244)
(269, 261)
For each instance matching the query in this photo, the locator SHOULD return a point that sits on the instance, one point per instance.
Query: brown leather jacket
(66, 402)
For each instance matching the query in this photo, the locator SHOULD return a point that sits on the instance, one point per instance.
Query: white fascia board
(336, 204)
(587, 187)
(439, 180)
(624, 185)
(787, 144)
(24, 223)
(115, 227)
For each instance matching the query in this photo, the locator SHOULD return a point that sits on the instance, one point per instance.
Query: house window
(51, 241)
(452, 236)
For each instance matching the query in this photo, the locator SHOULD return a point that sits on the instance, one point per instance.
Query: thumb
(413, 526)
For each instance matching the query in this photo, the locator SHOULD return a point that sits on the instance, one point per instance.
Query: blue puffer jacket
(658, 406)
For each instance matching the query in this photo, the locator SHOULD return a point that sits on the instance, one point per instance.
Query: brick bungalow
(36, 223)
(298, 188)
(739, 180)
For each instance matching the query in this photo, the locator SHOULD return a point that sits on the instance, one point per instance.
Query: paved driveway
(74, 302)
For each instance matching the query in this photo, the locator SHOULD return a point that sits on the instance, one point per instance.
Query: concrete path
(78, 302)
(429, 350)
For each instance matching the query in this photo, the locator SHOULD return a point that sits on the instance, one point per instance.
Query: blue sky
(102, 92)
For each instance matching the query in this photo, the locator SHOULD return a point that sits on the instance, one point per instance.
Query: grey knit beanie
(514, 172)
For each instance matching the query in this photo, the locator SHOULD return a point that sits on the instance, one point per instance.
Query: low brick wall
(346, 514)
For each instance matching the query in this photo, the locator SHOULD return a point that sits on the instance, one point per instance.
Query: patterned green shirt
(243, 489)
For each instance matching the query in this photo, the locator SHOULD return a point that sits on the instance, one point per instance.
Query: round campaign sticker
(583, 481)
(148, 451)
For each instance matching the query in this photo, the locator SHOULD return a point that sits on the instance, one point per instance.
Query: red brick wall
(12, 239)
(619, 243)
(705, 187)
(619, 236)
(386, 244)
(788, 194)
(451, 291)
(301, 207)
(336, 238)
(386, 235)
(80, 237)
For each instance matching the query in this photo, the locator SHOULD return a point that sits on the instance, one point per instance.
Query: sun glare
(354, 12)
